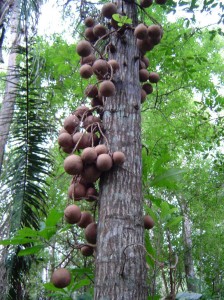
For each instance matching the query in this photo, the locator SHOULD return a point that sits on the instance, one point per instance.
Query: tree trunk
(6, 115)
(7, 109)
(120, 259)
(188, 256)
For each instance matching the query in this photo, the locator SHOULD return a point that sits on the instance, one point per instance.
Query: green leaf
(48, 232)
(168, 177)
(50, 287)
(81, 283)
(165, 210)
(174, 222)
(17, 241)
(53, 218)
(27, 232)
(31, 250)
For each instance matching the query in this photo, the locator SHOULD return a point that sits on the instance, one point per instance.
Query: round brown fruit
(77, 191)
(71, 123)
(100, 67)
(73, 164)
(143, 96)
(147, 87)
(145, 45)
(104, 162)
(154, 31)
(160, 1)
(101, 149)
(91, 194)
(78, 140)
(146, 61)
(118, 158)
(65, 140)
(89, 22)
(90, 35)
(88, 59)
(91, 173)
(85, 220)
(89, 155)
(148, 222)
(114, 64)
(87, 250)
(143, 75)
(84, 48)
(86, 71)
(146, 3)
(107, 88)
(141, 31)
(61, 278)
(81, 110)
(91, 233)
(90, 120)
(99, 30)
(108, 10)
(91, 91)
(154, 77)
(72, 214)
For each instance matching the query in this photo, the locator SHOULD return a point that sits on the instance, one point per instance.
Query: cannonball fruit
(143, 75)
(143, 96)
(99, 30)
(100, 67)
(61, 278)
(88, 59)
(89, 34)
(72, 214)
(104, 162)
(65, 140)
(100, 149)
(86, 71)
(160, 1)
(118, 158)
(89, 155)
(154, 77)
(84, 48)
(107, 88)
(114, 64)
(148, 222)
(89, 22)
(91, 173)
(147, 87)
(73, 164)
(85, 220)
(146, 3)
(87, 250)
(108, 10)
(71, 123)
(91, 233)
(78, 191)
(141, 31)
(91, 91)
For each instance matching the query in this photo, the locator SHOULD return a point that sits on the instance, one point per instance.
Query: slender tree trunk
(7, 109)
(6, 115)
(188, 256)
(120, 258)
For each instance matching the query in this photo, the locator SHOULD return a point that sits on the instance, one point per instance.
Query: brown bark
(120, 258)
(7, 109)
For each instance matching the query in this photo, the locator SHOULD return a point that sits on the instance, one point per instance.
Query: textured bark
(6, 115)
(188, 256)
(120, 258)
(7, 109)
